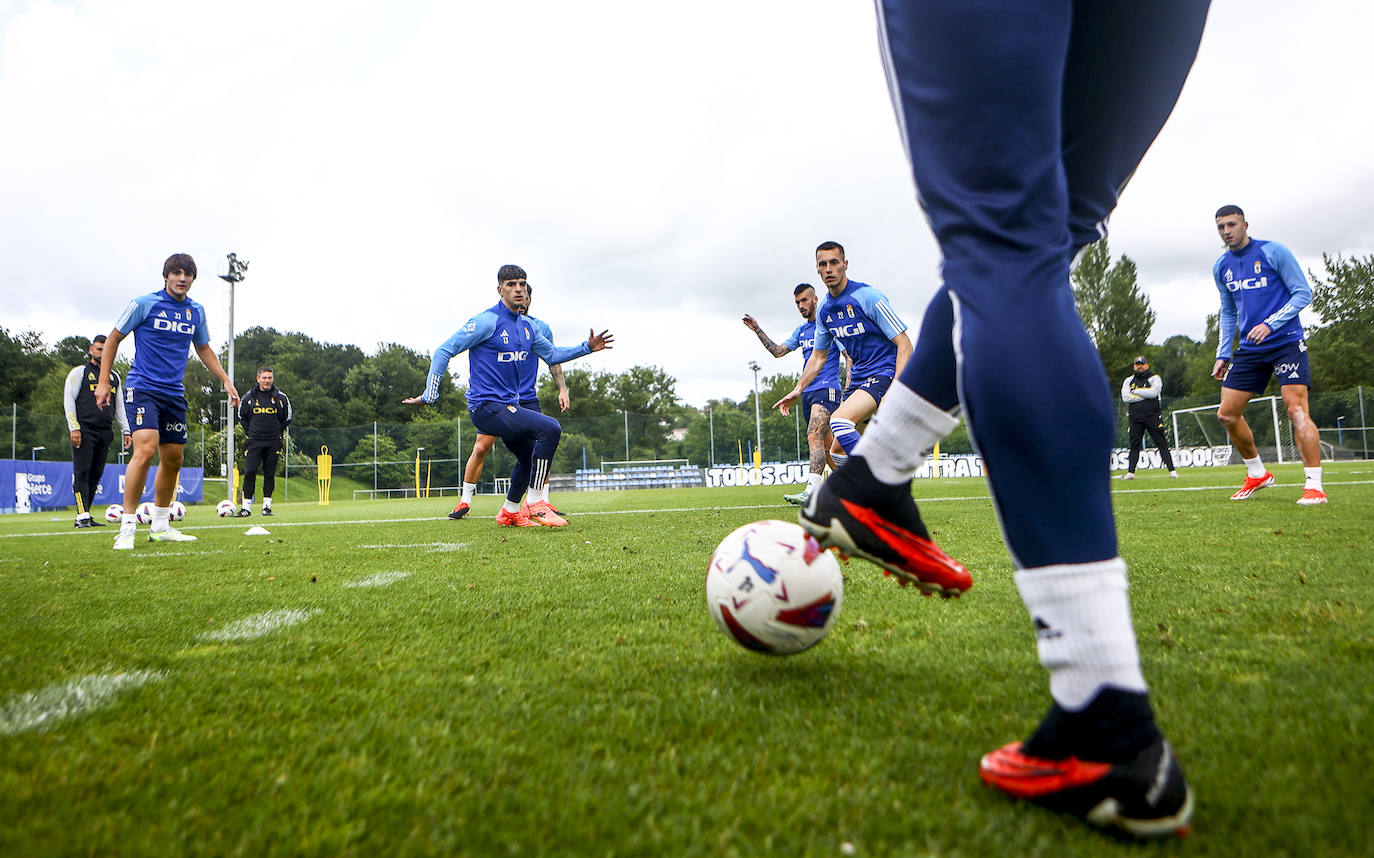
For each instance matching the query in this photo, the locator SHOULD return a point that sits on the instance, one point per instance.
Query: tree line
(339, 392)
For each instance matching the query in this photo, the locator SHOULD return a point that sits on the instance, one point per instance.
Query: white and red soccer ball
(225, 508)
(772, 589)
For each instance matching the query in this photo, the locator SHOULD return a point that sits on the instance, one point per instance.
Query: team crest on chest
(1257, 266)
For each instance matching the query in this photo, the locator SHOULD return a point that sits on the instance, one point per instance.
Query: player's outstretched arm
(107, 359)
(809, 373)
(773, 348)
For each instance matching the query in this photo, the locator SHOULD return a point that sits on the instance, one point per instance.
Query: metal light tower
(758, 421)
(235, 275)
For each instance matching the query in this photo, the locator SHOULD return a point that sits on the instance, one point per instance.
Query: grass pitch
(372, 678)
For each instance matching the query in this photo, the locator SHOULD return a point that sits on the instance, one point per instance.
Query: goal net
(1266, 415)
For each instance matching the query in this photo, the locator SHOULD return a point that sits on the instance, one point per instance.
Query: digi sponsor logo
(177, 327)
(511, 357)
(847, 330)
(1247, 283)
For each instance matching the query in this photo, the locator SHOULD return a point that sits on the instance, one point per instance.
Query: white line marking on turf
(38, 709)
(434, 547)
(381, 579)
(1228, 487)
(250, 628)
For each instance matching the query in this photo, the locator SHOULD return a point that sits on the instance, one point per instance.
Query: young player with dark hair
(1262, 291)
(166, 325)
(1023, 121)
(821, 396)
(860, 320)
(499, 341)
(529, 373)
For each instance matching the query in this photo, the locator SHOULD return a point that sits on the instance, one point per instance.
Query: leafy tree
(1113, 308)
(400, 473)
(24, 359)
(374, 389)
(1340, 349)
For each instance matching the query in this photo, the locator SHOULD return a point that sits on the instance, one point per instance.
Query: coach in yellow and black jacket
(265, 412)
(88, 426)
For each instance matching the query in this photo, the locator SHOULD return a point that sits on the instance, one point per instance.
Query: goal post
(1267, 418)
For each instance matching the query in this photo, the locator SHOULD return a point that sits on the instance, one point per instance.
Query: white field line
(381, 579)
(250, 628)
(431, 547)
(1228, 487)
(38, 709)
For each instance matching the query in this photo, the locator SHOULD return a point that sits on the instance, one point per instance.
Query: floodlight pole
(758, 421)
(237, 269)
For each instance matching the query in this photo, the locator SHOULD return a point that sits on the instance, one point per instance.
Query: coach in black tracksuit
(1140, 391)
(265, 412)
(89, 428)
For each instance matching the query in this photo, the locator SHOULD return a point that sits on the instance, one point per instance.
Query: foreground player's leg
(164, 492)
(1083, 88)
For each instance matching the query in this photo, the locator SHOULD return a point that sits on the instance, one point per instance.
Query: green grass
(541, 692)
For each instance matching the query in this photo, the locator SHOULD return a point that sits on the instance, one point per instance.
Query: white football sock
(1082, 618)
(160, 516)
(128, 521)
(247, 503)
(1314, 478)
(266, 503)
(510, 506)
(1254, 468)
(812, 482)
(901, 434)
(469, 489)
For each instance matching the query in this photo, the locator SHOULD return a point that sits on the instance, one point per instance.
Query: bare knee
(1228, 420)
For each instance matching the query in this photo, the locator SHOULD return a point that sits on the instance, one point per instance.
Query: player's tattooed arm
(773, 348)
(564, 400)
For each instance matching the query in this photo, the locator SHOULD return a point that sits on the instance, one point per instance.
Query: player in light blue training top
(860, 320)
(821, 396)
(1262, 290)
(499, 342)
(529, 372)
(167, 326)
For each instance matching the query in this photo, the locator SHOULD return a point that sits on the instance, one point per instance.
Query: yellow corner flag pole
(325, 466)
(429, 472)
(233, 494)
(935, 465)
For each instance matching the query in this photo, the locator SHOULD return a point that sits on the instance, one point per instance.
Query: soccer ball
(177, 511)
(225, 508)
(114, 513)
(144, 513)
(772, 589)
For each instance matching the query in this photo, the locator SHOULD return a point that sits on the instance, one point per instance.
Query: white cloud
(659, 171)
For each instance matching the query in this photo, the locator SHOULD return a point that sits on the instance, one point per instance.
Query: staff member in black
(265, 412)
(1140, 391)
(89, 427)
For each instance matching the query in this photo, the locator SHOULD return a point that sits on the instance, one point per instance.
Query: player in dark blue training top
(499, 342)
(529, 373)
(821, 396)
(1262, 290)
(1023, 119)
(166, 325)
(860, 320)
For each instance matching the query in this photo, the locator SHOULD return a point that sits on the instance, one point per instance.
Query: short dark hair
(263, 369)
(179, 262)
(98, 338)
(510, 272)
(831, 245)
(1230, 210)
(802, 287)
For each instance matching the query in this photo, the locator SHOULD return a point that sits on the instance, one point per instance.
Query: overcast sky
(658, 170)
